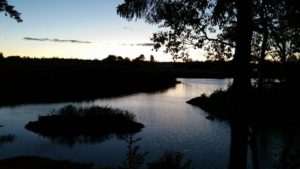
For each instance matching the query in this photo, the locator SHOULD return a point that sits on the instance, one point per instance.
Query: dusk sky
(49, 25)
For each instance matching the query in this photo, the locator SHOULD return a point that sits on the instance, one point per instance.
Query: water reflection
(259, 143)
(171, 124)
(244, 152)
(4, 139)
(239, 145)
(72, 140)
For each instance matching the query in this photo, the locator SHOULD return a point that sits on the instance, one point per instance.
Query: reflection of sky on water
(170, 124)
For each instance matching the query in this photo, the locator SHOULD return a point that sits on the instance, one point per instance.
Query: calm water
(170, 124)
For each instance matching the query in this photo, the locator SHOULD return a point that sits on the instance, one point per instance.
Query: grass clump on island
(85, 125)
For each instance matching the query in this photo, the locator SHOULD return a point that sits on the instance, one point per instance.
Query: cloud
(144, 44)
(128, 28)
(54, 40)
(139, 44)
(36, 39)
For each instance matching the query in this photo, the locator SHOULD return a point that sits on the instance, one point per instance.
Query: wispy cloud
(139, 44)
(36, 39)
(128, 28)
(54, 40)
(144, 44)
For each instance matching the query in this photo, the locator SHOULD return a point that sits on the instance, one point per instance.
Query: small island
(71, 125)
(220, 98)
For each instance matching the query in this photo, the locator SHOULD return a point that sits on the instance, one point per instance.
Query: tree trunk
(263, 45)
(241, 86)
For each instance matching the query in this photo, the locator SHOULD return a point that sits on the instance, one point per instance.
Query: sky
(84, 29)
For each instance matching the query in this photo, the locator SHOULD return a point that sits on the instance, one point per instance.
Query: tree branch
(217, 40)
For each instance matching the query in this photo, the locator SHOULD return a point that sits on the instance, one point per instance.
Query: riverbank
(60, 80)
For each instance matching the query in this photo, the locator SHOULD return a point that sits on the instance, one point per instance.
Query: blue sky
(94, 21)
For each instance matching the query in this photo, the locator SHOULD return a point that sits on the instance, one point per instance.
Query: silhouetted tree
(141, 58)
(126, 59)
(226, 29)
(134, 159)
(285, 38)
(120, 58)
(189, 21)
(188, 59)
(110, 58)
(192, 23)
(170, 159)
(275, 34)
(9, 10)
(1, 55)
(152, 58)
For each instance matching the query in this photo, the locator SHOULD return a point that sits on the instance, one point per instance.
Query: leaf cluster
(212, 26)
(9, 10)
(188, 24)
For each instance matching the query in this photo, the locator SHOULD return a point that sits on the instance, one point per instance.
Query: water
(171, 124)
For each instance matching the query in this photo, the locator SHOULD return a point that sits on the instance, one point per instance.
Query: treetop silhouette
(212, 25)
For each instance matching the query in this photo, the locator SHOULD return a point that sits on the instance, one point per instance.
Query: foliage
(9, 10)
(213, 25)
(187, 20)
(171, 160)
(209, 24)
(284, 36)
(140, 58)
(134, 159)
(152, 59)
(113, 58)
(275, 35)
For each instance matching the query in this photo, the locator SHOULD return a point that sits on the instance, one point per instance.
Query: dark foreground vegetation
(134, 160)
(170, 158)
(71, 125)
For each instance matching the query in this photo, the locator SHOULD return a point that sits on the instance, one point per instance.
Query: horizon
(82, 30)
